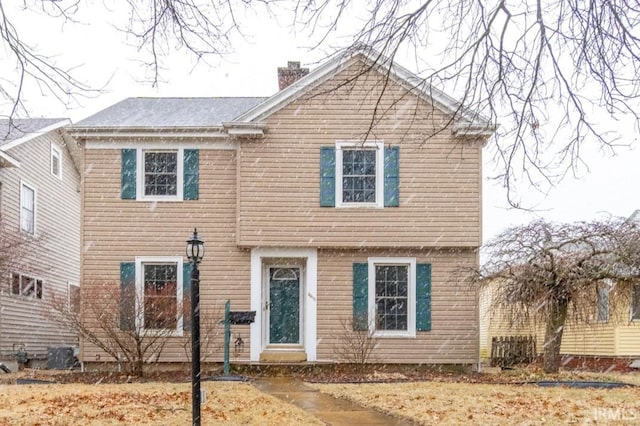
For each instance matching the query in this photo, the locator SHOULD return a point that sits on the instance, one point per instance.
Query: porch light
(195, 247)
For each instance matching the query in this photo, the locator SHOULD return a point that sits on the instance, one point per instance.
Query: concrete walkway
(330, 410)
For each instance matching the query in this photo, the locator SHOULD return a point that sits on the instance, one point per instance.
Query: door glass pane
(284, 305)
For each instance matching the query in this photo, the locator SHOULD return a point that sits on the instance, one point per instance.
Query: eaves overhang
(8, 161)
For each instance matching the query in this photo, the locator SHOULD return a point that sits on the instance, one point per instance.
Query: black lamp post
(195, 252)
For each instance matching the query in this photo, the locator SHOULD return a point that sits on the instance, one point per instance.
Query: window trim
(379, 146)
(70, 303)
(35, 207)
(602, 289)
(139, 316)
(411, 296)
(35, 293)
(56, 152)
(631, 304)
(140, 175)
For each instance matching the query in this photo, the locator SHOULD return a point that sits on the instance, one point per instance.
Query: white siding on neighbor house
(55, 258)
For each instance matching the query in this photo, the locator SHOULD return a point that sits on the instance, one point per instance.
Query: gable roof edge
(35, 134)
(474, 123)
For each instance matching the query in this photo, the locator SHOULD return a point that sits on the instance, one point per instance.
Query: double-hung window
(359, 174)
(161, 172)
(152, 294)
(159, 288)
(27, 208)
(56, 162)
(392, 302)
(392, 296)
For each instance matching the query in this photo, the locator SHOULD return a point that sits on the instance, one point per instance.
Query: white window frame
(140, 261)
(379, 146)
(70, 285)
(631, 304)
(20, 276)
(35, 207)
(601, 289)
(411, 296)
(140, 175)
(56, 153)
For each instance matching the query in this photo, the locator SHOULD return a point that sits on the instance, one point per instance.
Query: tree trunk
(553, 335)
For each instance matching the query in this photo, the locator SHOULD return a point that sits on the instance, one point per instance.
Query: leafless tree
(113, 322)
(15, 248)
(547, 71)
(550, 273)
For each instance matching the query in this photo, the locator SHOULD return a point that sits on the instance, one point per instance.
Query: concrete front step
(287, 357)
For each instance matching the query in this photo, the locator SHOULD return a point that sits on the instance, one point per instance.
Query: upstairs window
(56, 162)
(359, 174)
(27, 208)
(359, 169)
(161, 173)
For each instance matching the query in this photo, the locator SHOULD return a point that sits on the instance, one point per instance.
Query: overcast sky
(100, 55)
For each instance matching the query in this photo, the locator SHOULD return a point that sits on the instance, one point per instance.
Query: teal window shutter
(392, 176)
(186, 296)
(128, 175)
(327, 176)
(423, 297)
(191, 174)
(360, 296)
(127, 296)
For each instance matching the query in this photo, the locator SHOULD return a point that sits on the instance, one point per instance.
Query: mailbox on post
(236, 318)
(242, 317)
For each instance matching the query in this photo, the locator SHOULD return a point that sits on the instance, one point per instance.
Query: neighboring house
(316, 212)
(39, 235)
(609, 338)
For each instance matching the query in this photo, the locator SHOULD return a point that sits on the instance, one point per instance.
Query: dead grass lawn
(436, 403)
(143, 404)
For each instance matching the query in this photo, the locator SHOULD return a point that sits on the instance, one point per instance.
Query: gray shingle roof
(17, 128)
(170, 112)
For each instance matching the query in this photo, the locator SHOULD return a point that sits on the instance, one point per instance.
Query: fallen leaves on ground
(436, 403)
(143, 404)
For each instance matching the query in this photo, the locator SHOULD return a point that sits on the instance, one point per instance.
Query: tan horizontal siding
(118, 230)
(454, 329)
(279, 175)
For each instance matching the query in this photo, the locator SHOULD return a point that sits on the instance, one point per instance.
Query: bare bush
(128, 329)
(354, 345)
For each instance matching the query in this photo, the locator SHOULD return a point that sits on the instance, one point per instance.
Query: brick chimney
(292, 73)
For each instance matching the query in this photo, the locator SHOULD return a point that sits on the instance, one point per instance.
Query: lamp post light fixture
(195, 252)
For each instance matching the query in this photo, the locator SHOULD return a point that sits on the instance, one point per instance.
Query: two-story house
(39, 234)
(351, 196)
